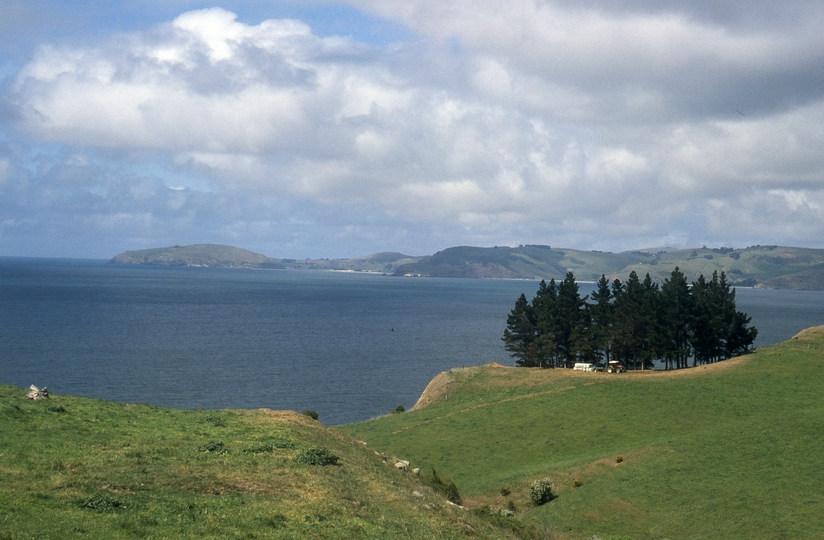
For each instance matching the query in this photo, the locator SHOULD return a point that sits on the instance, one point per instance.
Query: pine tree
(570, 322)
(707, 320)
(602, 319)
(545, 306)
(676, 312)
(521, 333)
(630, 326)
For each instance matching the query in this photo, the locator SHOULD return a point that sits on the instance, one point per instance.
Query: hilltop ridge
(208, 255)
(771, 266)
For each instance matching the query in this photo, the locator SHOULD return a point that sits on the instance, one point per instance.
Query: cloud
(577, 124)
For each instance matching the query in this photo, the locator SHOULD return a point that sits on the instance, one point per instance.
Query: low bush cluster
(540, 491)
(268, 447)
(317, 455)
(445, 487)
(214, 446)
(216, 421)
(102, 503)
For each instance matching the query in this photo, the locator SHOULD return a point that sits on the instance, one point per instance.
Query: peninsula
(768, 266)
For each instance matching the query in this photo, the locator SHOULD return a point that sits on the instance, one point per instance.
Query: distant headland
(772, 267)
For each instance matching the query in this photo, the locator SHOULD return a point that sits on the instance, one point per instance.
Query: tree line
(635, 322)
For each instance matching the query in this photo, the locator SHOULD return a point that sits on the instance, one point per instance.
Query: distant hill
(755, 266)
(773, 267)
(209, 255)
(811, 279)
(221, 256)
(383, 263)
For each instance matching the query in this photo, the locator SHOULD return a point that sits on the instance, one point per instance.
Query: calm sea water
(347, 345)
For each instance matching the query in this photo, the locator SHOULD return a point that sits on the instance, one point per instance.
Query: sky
(337, 129)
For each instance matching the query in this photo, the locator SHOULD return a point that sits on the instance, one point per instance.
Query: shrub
(505, 491)
(619, 459)
(102, 503)
(540, 491)
(216, 421)
(311, 414)
(399, 409)
(269, 447)
(214, 446)
(505, 519)
(317, 455)
(445, 487)
(577, 483)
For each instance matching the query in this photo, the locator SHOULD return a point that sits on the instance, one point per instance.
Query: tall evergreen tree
(707, 320)
(652, 320)
(740, 338)
(631, 323)
(676, 313)
(521, 333)
(545, 305)
(636, 322)
(736, 337)
(602, 320)
(570, 320)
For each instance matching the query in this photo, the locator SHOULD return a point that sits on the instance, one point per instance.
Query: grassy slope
(748, 266)
(59, 454)
(727, 451)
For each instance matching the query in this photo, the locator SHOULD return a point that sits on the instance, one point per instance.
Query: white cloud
(584, 125)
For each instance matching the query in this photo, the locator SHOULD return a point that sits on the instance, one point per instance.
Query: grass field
(82, 468)
(730, 450)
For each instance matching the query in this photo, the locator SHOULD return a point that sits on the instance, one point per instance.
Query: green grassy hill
(82, 468)
(210, 255)
(761, 266)
(768, 266)
(730, 450)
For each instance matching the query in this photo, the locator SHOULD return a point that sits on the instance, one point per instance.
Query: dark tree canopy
(636, 322)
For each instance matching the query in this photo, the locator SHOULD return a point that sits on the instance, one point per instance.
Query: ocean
(347, 345)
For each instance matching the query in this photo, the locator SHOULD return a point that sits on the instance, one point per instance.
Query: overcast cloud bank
(571, 124)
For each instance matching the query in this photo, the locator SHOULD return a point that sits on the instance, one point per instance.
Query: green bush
(214, 446)
(317, 455)
(215, 420)
(399, 409)
(102, 503)
(268, 447)
(311, 414)
(540, 491)
(445, 487)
